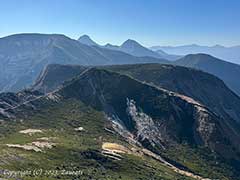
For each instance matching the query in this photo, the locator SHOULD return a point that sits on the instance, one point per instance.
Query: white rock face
(79, 129)
(39, 144)
(25, 147)
(2, 112)
(30, 131)
(146, 128)
(53, 96)
(36, 146)
(121, 129)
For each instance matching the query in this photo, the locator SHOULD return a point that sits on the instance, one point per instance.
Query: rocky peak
(85, 39)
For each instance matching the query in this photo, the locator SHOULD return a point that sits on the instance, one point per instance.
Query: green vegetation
(201, 161)
(75, 151)
(81, 104)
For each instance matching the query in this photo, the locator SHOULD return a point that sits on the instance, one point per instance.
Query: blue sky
(151, 22)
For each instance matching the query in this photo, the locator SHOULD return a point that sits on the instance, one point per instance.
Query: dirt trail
(174, 168)
(50, 94)
(113, 150)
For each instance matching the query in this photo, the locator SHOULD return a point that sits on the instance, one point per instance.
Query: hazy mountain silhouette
(23, 56)
(226, 71)
(231, 54)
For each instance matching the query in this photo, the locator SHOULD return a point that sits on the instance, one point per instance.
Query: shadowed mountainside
(226, 71)
(144, 115)
(23, 56)
(203, 87)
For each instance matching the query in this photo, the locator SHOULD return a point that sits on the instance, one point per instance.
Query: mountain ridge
(132, 47)
(85, 39)
(226, 71)
(68, 90)
(196, 84)
(153, 117)
(222, 52)
(23, 56)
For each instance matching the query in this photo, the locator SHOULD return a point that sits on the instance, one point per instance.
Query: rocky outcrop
(10, 101)
(200, 86)
(157, 118)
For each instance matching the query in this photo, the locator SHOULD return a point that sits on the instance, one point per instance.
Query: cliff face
(155, 116)
(143, 115)
(206, 92)
(203, 87)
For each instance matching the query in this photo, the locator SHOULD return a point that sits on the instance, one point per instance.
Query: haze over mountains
(97, 102)
(226, 71)
(131, 47)
(23, 56)
(204, 62)
(85, 39)
(114, 111)
(231, 54)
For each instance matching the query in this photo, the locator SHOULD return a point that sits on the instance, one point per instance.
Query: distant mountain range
(227, 53)
(23, 56)
(85, 39)
(226, 71)
(116, 112)
(131, 47)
